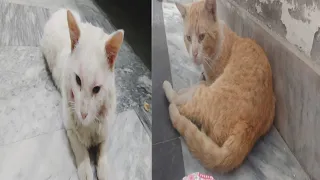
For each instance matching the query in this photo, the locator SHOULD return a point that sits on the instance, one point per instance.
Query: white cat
(81, 58)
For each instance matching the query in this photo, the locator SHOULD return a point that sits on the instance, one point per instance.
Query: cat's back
(248, 79)
(248, 65)
(250, 52)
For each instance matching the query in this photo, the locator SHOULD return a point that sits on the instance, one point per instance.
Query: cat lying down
(235, 106)
(81, 59)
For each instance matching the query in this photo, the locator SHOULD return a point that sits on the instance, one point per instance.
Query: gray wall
(288, 32)
(295, 20)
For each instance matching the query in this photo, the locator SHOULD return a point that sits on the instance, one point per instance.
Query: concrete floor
(33, 142)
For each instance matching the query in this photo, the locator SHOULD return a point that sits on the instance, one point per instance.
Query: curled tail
(223, 159)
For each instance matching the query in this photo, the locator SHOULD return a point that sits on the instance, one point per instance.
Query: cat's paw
(173, 113)
(167, 87)
(102, 170)
(85, 171)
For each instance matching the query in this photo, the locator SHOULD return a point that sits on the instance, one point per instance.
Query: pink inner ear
(112, 47)
(73, 30)
(111, 53)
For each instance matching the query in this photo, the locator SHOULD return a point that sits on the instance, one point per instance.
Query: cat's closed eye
(96, 90)
(201, 37)
(78, 80)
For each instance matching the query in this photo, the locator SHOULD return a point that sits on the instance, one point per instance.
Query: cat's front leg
(102, 168)
(168, 90)
(183, 96)
(82, 157)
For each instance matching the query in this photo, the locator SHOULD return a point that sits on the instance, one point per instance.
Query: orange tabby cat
(236, 104)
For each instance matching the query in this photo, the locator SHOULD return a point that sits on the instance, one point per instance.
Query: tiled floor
(48, 155)
(167, 160)
(270, 159)
(33, 143)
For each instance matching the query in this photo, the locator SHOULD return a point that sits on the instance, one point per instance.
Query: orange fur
(236, 106)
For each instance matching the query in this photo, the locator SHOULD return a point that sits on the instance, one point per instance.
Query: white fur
(89, 61)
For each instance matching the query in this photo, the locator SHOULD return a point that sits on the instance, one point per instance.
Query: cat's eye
(201, 37)
(78, 80)
(189, 38)
(96, 90)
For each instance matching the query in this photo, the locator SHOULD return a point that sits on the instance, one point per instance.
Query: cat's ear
(182, 8)
(113, 46)
(74, 30)
(211, 7)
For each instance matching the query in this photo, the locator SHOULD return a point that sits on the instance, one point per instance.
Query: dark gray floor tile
(162, 129)
(167, 161)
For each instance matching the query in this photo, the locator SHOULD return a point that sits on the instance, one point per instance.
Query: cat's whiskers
(71, 102)
(205, 59)
(97, 119)
(71, 105)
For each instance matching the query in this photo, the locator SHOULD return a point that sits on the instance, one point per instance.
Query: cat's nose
(195, 53)
(84, 115)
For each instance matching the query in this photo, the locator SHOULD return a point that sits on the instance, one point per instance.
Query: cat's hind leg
(222, 159)
(82, 157)
(176, 121)
(197, 141)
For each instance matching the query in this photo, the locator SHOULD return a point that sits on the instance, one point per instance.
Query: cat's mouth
(100, 114)
(197, 61)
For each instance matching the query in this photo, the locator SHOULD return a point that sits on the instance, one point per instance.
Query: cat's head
(201, 29)
(90, 76)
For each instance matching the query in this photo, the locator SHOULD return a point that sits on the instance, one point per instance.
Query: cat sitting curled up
(235, 106)
(81, 59)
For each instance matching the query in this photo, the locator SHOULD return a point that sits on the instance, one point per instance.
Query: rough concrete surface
(296, 20)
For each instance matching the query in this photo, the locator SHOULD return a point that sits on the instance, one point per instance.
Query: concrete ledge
(167, 159)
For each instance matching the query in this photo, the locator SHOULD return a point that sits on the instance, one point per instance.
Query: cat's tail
(223, 159)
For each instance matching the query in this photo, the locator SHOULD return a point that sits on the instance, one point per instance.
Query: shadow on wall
(135, 18)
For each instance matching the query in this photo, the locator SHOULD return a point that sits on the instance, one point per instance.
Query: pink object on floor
(198, 176)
